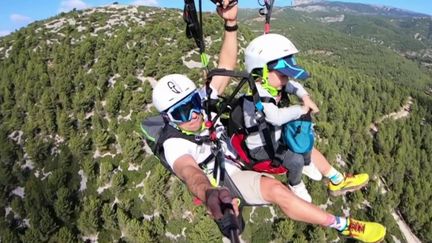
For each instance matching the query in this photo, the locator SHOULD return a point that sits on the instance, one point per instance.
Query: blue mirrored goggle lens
(281, 63)
(288, 66)
(182, 112)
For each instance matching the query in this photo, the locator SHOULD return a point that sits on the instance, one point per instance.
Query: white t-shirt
(174, 148)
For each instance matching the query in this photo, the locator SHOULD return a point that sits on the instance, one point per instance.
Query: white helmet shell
(266, 48)
(171, 89)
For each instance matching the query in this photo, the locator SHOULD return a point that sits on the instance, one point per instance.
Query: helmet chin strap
(265, 82)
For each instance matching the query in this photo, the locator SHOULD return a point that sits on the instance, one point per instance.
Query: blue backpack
(299, 135)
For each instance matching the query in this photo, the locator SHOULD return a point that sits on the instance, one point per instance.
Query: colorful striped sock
(338, 223)
(335, 176)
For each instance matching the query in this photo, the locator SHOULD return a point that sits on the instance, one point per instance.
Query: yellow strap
(265, 83)
(265, 73)
(204, 59)
(213, 182)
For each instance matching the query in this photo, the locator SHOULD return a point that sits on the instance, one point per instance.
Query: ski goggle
(182, 111)
(288, 67)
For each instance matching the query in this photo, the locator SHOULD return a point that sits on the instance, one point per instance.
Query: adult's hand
(225, 3)
(228, 13)
(215, 198)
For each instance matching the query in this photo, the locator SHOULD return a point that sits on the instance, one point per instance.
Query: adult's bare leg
(295, 208)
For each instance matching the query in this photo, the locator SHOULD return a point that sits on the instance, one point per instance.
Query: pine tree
(109, 217)
(89, 222)
(63, 205)
(30, 235)
(63, 235)
(284, 231)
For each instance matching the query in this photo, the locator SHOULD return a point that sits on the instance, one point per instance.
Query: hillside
(73, 90)
(354, 8)
(401, 36)
(73, 166)
(408, 33)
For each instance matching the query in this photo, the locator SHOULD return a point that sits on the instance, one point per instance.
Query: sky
(15, 14)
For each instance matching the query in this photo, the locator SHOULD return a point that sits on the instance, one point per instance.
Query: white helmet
(266, 48)
(171, 89)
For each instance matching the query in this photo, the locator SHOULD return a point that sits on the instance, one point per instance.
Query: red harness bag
(237, 141)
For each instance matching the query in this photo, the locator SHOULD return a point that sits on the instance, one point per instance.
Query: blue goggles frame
(288, 66)
(183, 110)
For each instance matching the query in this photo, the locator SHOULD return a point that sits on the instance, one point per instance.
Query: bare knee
(274, 191)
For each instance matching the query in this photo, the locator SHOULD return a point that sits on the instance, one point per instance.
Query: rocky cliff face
(304, 2)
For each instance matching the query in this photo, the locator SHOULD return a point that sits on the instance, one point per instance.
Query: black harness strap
(252, 129)
(193, 26)
(228, 73)
(257, 100)
(170, 132)
(267, 11)
(268, 100)
(263, 126)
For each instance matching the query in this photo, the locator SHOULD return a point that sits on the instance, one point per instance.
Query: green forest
(74, 167)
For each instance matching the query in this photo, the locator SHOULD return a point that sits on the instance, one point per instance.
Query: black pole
(234, 238)
(229, 223)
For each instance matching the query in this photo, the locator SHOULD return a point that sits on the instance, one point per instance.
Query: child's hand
(305, 109)
(307, 101)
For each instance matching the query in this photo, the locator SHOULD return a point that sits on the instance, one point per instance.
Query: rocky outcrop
(311, 8)
(319, 52)
(423, 56)
(332, 19)
(304, 2)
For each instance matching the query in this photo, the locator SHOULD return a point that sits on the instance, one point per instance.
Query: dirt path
(405, 229)
(403, 226)
(403, 112)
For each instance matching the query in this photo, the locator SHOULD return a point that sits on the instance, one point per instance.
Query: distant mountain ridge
(353, 8)
(407, 33)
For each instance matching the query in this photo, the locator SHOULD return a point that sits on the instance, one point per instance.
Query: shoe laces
(356, 226)
(348, 175)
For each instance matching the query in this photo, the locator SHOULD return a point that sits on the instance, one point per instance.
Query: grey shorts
(284, 156)
(249, 184)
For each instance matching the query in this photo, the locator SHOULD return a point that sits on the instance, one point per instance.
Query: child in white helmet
(271, 59)
(177, 99)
